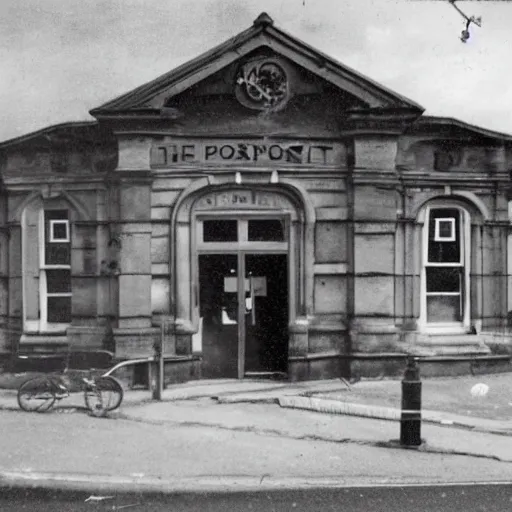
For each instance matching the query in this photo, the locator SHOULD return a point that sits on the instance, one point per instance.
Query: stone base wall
(318, 367)
(9, 339)
(375, 366)
(135, 343)
(89, 337)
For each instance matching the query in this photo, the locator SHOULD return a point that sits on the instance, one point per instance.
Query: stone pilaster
(135, 336)
(375, 205)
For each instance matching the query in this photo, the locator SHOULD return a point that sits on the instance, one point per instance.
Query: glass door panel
(266, 313)
(443, 308)
(218, 315)
(444, 294)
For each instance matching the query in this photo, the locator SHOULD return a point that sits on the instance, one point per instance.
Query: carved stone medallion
(263, 84)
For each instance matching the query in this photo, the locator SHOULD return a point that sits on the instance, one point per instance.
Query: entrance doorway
(243, 321)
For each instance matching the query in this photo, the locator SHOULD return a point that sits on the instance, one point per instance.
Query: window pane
(443, 308)
(159, 156)
(57, 254)
(59, 230)
(55, 215)
(220, 231)
(441, 279)
(59, 309)
(267, 230)
(443, 252)
(218, 292)
(446, 228)
(58, 281)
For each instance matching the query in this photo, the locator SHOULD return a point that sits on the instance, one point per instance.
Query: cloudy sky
(61, 58)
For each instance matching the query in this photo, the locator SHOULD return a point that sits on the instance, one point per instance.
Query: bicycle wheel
(106, 395)
(36, 395)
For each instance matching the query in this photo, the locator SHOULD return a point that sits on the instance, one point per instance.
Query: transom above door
(266, 233)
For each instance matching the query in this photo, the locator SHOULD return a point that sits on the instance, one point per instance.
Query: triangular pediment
(262, 51)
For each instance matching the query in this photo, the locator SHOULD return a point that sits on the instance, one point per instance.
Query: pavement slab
(268, 419)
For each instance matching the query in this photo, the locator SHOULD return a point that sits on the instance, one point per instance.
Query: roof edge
(46, 131)
(187, 67)
(441, 120)
(341, 66)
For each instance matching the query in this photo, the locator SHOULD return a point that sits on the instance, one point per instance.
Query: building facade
(275, 211)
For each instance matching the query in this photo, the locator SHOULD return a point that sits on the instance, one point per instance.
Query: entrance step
(452, 366)
(446, 344)
(266, 375)
(383, 365)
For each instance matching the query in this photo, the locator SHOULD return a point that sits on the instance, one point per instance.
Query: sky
(62, 58)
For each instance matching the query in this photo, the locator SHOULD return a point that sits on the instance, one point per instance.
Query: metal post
(159, 364)
(410, 422)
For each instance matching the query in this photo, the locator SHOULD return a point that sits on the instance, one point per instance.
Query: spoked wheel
(105, 395)
(36, 395)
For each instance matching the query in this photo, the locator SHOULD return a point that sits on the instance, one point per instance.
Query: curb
(202, 483)
(245, 399)
(328, 406)
(336, 407)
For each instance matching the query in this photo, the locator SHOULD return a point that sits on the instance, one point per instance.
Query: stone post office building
(277, 211)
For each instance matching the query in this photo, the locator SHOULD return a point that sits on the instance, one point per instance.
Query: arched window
(445, 269)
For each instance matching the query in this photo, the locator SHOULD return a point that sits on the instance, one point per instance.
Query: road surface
(463, 498)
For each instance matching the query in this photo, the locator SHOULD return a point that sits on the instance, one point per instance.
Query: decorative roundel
(262, 85)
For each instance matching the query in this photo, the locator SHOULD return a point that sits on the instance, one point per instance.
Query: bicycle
(101, 394)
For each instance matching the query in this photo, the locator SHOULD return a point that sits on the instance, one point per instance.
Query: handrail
(151, 359)
(128, 362)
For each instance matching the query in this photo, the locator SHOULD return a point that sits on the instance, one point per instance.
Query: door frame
(241, 249)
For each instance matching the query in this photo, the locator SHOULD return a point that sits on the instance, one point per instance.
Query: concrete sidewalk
(371, 399)
(199, 446)
(262, 415)
(270, 419)
(276, 410)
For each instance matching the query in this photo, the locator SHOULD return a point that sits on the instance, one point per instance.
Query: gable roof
(261, 33)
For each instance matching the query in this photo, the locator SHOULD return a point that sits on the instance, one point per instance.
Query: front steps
(446, 355)
(436, 345)
(392, 365)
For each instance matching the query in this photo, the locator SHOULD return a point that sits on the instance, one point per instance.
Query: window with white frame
(444, 229)
(59, 230)
(55, 270)
(443, 236)
(444, 266)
